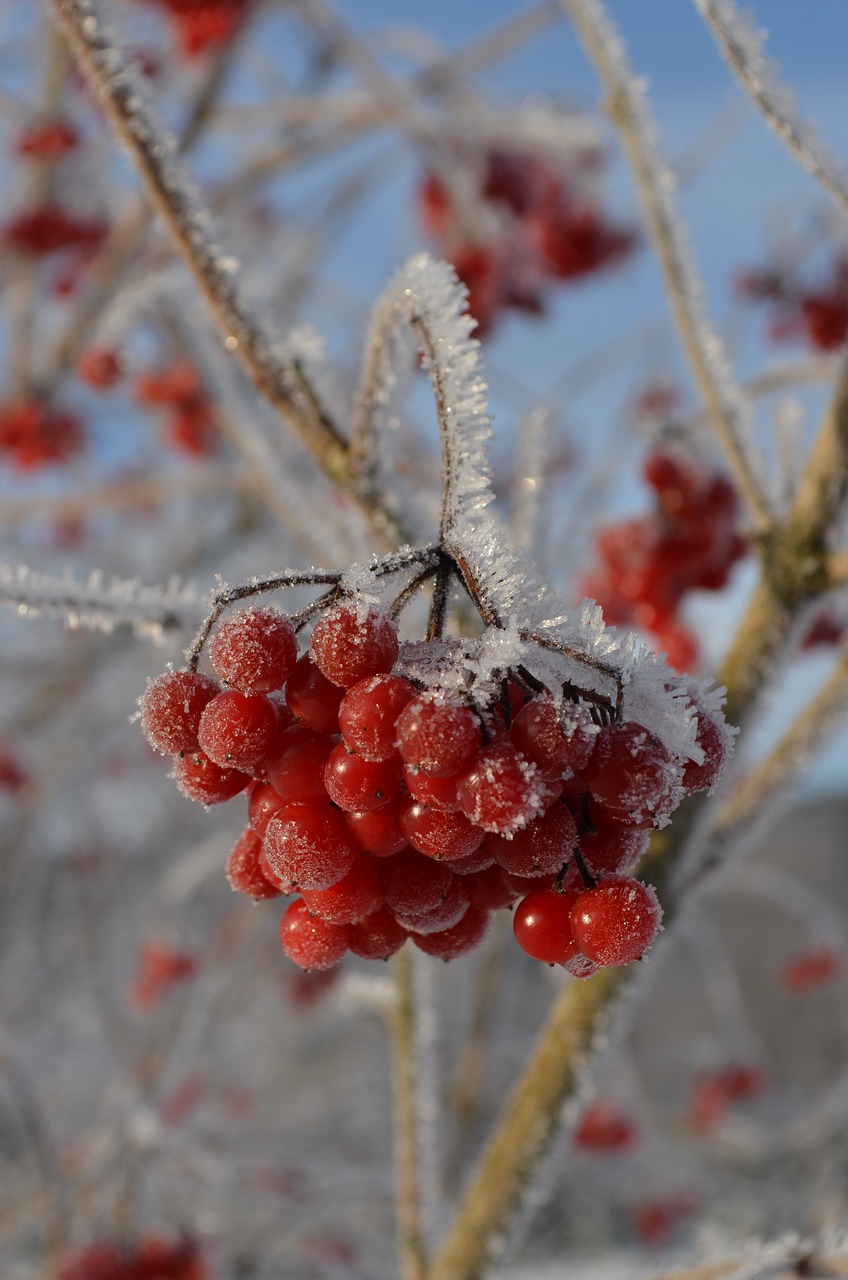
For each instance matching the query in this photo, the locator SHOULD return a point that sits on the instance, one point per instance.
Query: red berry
(368, 713)
(100, 367)
(611, 847)
(438, 835)
(171, 707)
(354, 641)
(632, 774)
(199, 778)
(243, 870)
(542, 848)
(309, 846)
(254, 649)
(542, 925)
(558, 742)
(378, 936)
(355, 896)
(313, 698)
(236, 729)
(617, 921)
(811, 969)
(479, 860)
(503, 790)
(443, 916)
(356, 784)
(489, 889)
(712, 740)
(436, 793)
(263, 802)
(295, 763)
(414, 885)
(377, 831)
(603, 1128)
(459, 939)
(438, 736)
(309, 942)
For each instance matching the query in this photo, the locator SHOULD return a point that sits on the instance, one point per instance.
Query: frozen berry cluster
(150, 1258)
(548, 230)
(817, 314)
(649, 563)
(189, 425)
(36, 434)
(395, 808)
(204, 25)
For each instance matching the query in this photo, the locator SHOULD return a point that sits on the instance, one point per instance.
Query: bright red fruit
(295, 763)
(436, 793)
(377, 831)
(311, 943)
(100, 367)
(199, 778)
(254, 649)
(713, 742)
(603, 1128)
(558, 742)
(378, 936)
(457, 940)
(617, 921)
(171, 707)
(632, 774)
(313, 698)
(436, 834)
(438, 736)
(309, 846)
(236, 729)
(542, 848)
(503, 790)
(356, 784)
(542, 925)
(263, 802)
(368, 713)
(355, 896)
(243, 871)
(354, 641)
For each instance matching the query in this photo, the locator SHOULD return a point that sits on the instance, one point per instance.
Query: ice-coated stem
(701, 344)
(410, 1225)
(152, 152)
(741, 48)
(527, 1125)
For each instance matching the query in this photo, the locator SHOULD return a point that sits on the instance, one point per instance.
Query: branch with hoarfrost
(742, 48)
(786, 1259)
(411, 1236)
(99, 603)
(702, 346)
(153, 153)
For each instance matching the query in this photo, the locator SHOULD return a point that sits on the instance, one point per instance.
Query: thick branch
(407, 1164)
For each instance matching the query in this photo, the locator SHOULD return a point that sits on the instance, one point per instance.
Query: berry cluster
(160, 968)
(398, 809)
(149, 1259)
(716, 1092)
(647, 564)
(819, 315)
(50, 228)
(46, 140)
(547, 231)
(100, 367)
(202, 25)
(812, 969)
(189, 426)
(35, 434)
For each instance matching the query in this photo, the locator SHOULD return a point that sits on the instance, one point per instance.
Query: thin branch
(407, 1161)
(167, 188)
(742, 50)
(701, 343)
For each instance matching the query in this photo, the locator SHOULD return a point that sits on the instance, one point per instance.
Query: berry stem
(412, 1245)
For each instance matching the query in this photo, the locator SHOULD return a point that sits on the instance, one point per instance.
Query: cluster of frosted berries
(649, 563)
(818, 315)
(395, 811)
(149, 1258)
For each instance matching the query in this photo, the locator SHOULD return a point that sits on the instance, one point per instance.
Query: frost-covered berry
(378, 936)
(357, 895)
(464, 936)
(503, 790)
(171, 707)
(369, 711)
(236, 729)
(311, 943)
(354, 641)
(632, 774)
(199, 778)
(438, 834)
(617, 921)
(543, 846)
(254, 649)
(243, 870)
(438, 736)
(309, 846)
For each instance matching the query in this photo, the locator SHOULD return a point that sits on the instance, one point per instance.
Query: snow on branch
(655, 184)
(100, 603)
(154, 153)
(526, 622)
(742, 47)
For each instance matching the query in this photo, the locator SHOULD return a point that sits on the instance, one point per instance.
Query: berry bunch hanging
(397, 800)
(649, 563)
(817, 314)
(546, 227)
